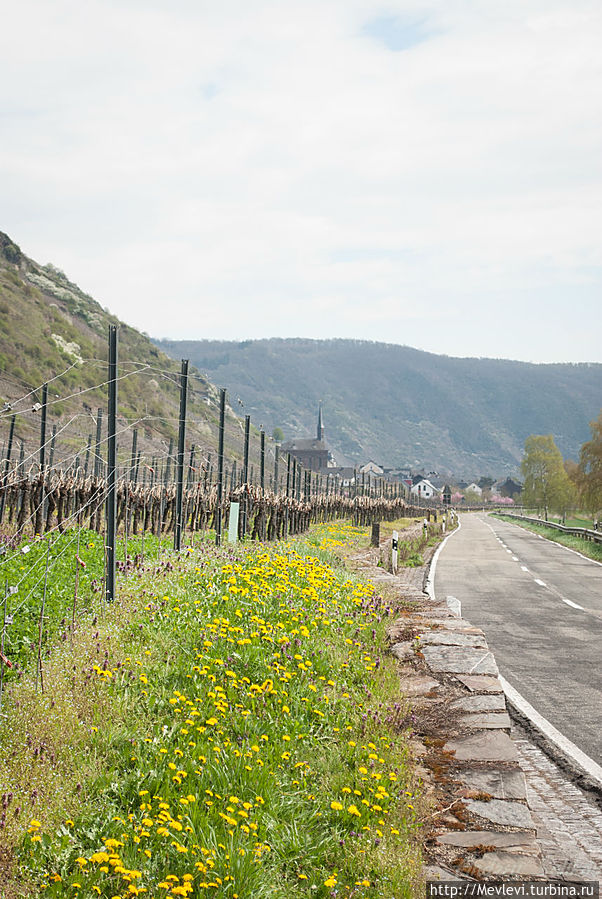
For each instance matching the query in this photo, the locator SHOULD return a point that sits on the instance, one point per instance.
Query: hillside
(402, 406)
(48, 326)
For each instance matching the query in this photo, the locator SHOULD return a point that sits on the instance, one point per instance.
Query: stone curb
(480, 763)
(450, 674)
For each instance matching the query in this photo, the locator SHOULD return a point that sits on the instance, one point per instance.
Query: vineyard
(186, 670)
(129, 499)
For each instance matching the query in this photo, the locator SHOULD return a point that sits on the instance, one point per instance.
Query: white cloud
(242, 170)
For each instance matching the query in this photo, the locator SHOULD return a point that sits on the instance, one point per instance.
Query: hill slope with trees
(402, 406)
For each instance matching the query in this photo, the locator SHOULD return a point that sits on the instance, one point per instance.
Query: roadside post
(180, 457)
(375, 541)
(220, 466)
(111, 500)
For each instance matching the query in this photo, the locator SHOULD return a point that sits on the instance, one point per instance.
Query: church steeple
(320, 423)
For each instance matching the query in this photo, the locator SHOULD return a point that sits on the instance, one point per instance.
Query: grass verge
(585, 547)
(71, 565)
(227, 728)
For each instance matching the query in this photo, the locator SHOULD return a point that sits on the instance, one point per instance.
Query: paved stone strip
(523, 818)
(569, 825)
(459, 674)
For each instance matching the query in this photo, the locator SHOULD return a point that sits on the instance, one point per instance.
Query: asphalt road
(540, 606)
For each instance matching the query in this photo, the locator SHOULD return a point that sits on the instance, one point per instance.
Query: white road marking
(561, 545)
(429, 587)
(538, 581)
(572, 604)
(561, 742)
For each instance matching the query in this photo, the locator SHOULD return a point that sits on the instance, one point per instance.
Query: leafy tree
(278, 435)
(574, 473)
(589, 472)
(547, 485)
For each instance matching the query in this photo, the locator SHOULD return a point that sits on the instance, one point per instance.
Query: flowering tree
(502, 500)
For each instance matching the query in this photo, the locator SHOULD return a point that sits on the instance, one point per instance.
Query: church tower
(320, 423)
(311, 452)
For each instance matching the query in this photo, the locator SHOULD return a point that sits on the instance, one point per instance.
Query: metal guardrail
(584, 533)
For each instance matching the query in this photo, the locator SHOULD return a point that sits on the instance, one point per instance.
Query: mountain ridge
(405, 406)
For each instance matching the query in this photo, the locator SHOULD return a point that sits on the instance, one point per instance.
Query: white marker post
(233, 523)
(394, 545)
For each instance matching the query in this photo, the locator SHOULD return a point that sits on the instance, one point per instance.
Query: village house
(507, 487)
(423, 489)
(372, 468)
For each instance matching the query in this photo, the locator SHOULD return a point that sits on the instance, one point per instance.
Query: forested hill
(402, 406)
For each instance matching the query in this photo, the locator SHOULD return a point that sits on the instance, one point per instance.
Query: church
(311, 452)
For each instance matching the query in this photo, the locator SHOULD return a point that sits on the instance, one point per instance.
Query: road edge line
(574, 757)
(429, 584)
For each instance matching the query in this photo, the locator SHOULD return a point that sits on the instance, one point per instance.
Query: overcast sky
(424, 173)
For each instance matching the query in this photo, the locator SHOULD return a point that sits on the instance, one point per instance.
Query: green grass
(229, 727)
(410, 550)
(23, 570)
(574, 521)
(585, 547)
